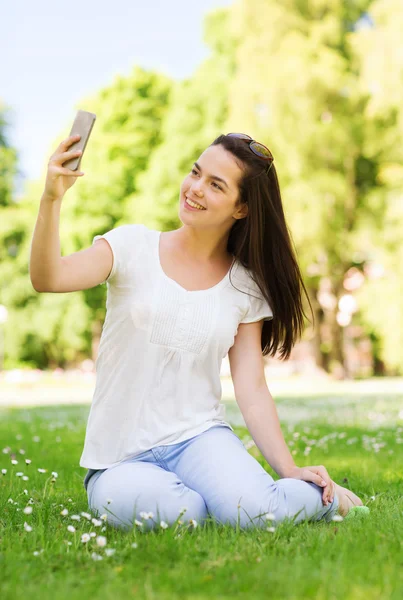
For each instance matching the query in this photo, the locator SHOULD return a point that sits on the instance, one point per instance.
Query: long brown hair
(262, 243)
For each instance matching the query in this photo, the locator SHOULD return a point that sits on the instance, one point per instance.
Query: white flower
(337, 518)
(28, 510)
(139, 523)
(96, 556)
(163, 525)
(14, 462)
(134, 545)
(10, 500)
(96, 522)
(25, 478)
(25, 491)
(64, 512)
(85, 538)
(28, 461)
(4, 471)
(42, 470)
(110, 551)
(71, 528)
(103, 517)
(109, 500)
(269, 517)
(271, 529)
(75, 517)
(27, 527)
(19, 474)
(144, 515)
(86, 515)
(93, 534)
(101, 541)
(6, 450)
(55, 474)
(193, 522)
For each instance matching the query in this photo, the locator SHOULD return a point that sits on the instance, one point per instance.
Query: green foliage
(324, 93)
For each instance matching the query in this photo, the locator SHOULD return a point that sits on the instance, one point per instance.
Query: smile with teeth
(193, 204)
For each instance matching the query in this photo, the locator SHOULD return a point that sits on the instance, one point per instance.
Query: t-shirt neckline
(218, 285)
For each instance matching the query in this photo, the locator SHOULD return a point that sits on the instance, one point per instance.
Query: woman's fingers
(326, 483)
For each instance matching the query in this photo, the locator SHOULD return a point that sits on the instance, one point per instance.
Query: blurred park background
(320, 82)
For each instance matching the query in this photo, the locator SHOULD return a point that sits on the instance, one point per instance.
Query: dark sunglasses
(259, 149)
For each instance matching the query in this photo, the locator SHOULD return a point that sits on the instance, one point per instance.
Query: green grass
(353, 559)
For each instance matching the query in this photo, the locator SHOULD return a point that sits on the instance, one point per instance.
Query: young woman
(226, 282)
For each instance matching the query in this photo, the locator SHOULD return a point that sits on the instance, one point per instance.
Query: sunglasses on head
(256, 147)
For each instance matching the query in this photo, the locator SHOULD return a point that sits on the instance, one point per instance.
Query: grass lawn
(358, 438)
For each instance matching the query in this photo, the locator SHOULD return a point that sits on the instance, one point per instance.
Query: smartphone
(83, 124)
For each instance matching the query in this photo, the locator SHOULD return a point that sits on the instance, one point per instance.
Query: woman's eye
(194, 172)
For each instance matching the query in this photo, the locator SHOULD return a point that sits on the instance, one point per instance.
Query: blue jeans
(210, 474)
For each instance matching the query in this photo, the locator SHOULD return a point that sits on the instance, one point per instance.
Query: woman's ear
(242, 212)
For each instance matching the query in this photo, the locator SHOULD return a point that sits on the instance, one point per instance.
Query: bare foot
(347, 499)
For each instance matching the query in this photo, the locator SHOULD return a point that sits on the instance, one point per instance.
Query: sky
(58, 54)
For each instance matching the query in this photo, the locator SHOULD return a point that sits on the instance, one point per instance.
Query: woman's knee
(125, 494)
(251, 509)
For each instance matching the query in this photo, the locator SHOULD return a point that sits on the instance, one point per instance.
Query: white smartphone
(83, 124)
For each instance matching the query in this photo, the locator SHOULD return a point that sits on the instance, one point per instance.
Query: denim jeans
(211, 474)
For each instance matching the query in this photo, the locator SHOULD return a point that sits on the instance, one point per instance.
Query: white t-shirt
(161, 349)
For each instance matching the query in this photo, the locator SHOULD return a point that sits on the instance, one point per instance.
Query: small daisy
(55, 474)
(71, 528)
(4, 471)
(19, 474)
(271, 529)
(28, 510)
(139, 523)
(25, 477)
(85, 538)
(86, 515)
(134, 545)
(193, 522)
(96, 556)
(337, 518)
(27, 527)
(101, 541)
(269, 517)
(163, 525)
(104, 517)
(42, 470)
(96, 522)
(110, 551)
(75, 517)
(14, 462)
(64, 512)
(93, 534)
(28, 461)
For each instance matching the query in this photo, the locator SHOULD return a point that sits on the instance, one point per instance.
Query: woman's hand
(58, 178)
(317, 475)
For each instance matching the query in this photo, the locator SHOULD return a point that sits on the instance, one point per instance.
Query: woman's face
(212, 182)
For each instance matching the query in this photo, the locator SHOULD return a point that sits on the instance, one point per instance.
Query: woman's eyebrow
(212, 176)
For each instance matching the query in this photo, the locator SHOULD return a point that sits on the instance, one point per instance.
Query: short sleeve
(258, 308)
(124, 242)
